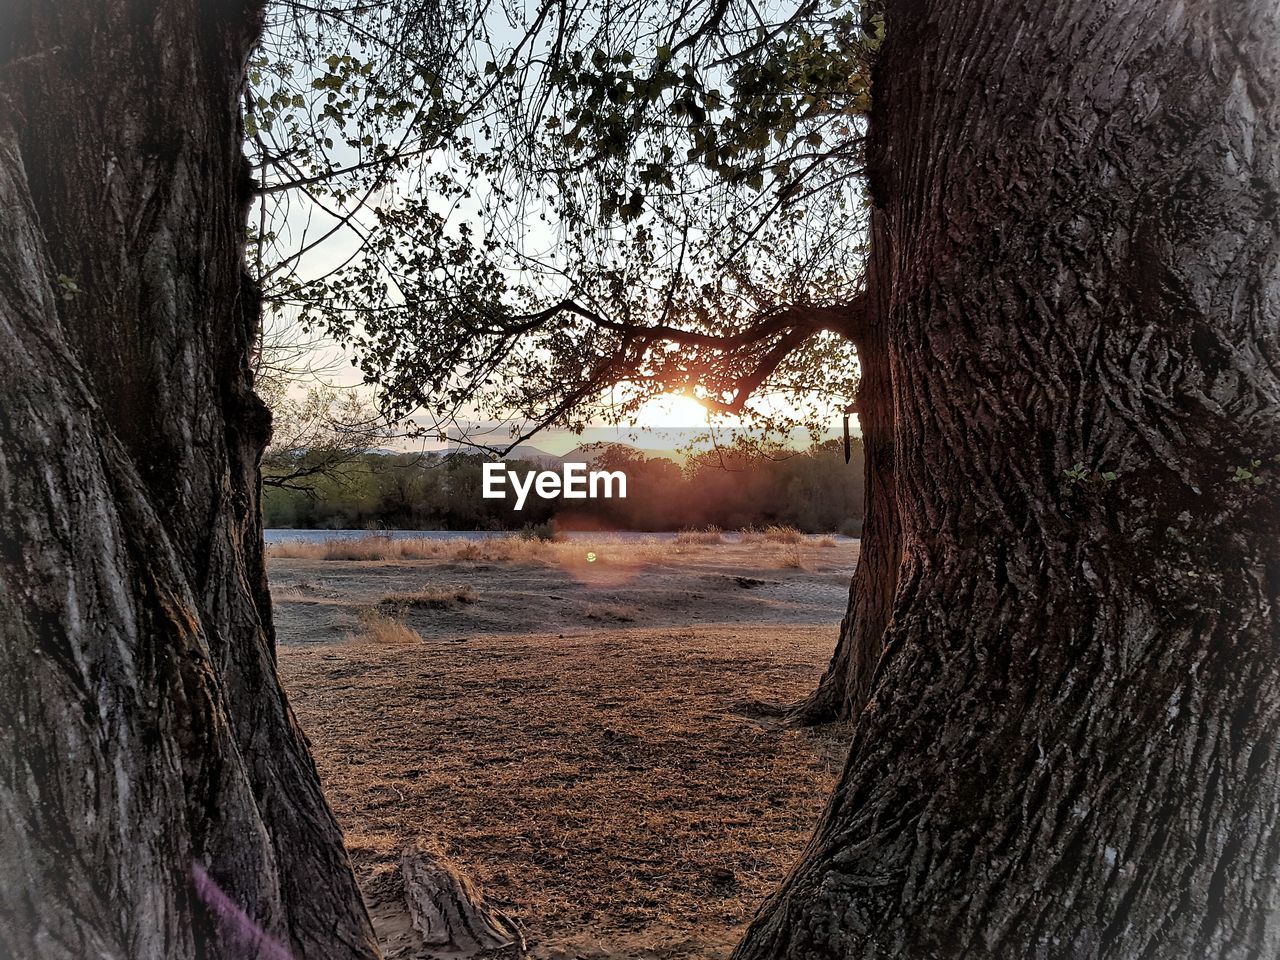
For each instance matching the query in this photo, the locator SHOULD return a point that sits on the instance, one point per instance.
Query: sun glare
(671, 410)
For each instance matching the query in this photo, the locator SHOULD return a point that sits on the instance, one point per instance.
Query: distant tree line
(813, 490)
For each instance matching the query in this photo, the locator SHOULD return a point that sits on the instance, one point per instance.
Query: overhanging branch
(843, 319)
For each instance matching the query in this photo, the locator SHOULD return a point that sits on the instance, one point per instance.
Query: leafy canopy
(507, 209)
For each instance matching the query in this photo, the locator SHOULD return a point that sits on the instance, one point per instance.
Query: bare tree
(319, 431)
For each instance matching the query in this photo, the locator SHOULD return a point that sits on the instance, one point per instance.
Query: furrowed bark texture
(448, 910)
(1070, 746)
(843, 690)
(158, 799)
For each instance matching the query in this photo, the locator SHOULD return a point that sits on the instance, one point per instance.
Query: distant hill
(524, 451)
(520, 452)
(588, 453)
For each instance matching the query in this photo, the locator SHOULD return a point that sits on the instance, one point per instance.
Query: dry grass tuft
(653, 550)
(378, 628)
(790, 557)
(701, 536)
(432, 598)
(750, 535)
(778, 533)
(828, 541)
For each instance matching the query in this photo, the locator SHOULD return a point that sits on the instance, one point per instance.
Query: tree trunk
(843, 690)
(158, 798)
(1070, 746)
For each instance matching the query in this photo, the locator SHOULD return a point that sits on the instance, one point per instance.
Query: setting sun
(670, 410)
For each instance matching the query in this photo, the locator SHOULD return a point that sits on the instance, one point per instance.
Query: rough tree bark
(449, 911)
(843, 690)
(1070, 748)
(158, 799)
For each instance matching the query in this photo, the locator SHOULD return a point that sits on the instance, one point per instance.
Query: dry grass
(571, 741)
(778, 533)
(379, 628)
(774, 533)
(603, 548)
(597, 558)
(791, 556)
(828, 542)
(382, 548)
(375, 547)
(653, 550)
(701, 536)
(599, 788)
(432, 598)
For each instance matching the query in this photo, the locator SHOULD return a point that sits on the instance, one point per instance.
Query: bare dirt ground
(568, 730)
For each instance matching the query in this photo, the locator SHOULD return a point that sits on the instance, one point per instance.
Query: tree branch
(851, 319)
(814, 319)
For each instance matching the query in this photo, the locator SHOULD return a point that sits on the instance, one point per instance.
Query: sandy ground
(572, 737)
